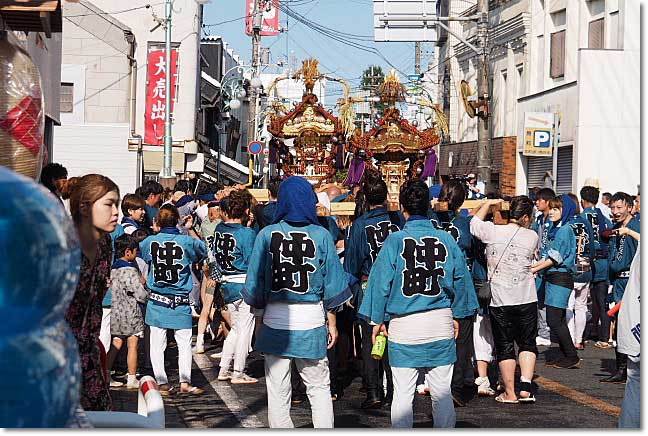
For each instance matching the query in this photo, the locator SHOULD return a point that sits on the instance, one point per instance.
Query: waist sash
(564, 279)
(294, 316)
(169, 301)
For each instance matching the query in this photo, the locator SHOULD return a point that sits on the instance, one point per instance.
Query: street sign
(539, 131)
(405, 20)
(255, 147)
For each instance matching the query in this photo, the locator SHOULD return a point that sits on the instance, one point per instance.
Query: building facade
(95, 102)
(106, 58)
(575, 60)
(509, 23)
(587, 72)
(222, 131)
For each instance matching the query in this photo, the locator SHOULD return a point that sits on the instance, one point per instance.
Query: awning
(210, 79)
(32, 15)
(232, 163)
(557, 5)
(229, 168)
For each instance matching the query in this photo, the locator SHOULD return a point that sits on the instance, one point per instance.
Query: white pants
(438, 381)
(314, 373)
(631, 407)
(577, 311)
(104, 333)
(483, 338)
(158, 341)
(237, 344)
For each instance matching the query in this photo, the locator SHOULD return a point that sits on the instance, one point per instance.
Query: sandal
(500, 399)
(194, 390)
(527, 388)
(166, 390)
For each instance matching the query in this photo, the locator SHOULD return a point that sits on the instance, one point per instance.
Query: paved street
(565, 398)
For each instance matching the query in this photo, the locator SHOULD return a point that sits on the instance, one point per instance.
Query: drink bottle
(379, 346)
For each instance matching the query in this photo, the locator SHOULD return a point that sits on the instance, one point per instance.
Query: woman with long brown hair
(93, 204)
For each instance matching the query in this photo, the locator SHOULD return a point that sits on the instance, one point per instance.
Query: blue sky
(350, 16)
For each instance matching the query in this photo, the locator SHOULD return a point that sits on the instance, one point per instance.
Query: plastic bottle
(378, 348)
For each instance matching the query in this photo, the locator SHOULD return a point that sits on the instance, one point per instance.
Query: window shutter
(557, 54)
(67, 98)
(537, 168)
(564, 169)
(596, 34)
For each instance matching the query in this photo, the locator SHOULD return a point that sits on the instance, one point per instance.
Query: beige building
(104, 78)
(577, 60)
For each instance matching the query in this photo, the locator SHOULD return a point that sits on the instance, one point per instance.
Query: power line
(337, 36)
(146, 6)
(225, 22)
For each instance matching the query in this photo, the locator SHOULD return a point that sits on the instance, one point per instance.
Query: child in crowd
(126, 320)
(170, 255)
(133, 209)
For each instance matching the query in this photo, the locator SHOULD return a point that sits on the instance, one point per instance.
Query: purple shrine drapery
(429, 167)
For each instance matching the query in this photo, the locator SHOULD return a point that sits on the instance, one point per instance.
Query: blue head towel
(296, 202)
(568, 213)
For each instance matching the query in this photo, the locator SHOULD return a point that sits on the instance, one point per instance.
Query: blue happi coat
(366, 237)
(621, 251)
(295, 263)
(465, 303)
(418, 269)
(170, 255)
(599, 224)
(561, 249)
(232, 246)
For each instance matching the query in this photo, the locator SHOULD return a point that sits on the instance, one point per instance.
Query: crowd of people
(460, 299)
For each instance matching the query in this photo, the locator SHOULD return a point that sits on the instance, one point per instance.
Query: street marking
(227, 394)
(577, 396)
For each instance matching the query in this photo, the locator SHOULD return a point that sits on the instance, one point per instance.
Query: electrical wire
(146, 6)
(337, 36)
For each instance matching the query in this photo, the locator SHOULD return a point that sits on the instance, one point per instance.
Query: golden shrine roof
(394, 134)
(307, 116)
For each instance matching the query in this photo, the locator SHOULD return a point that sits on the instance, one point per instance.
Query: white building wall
(609, 143)
(97, 148)
(598, 98)
(185, 30)
(99, 72)
(93, 138)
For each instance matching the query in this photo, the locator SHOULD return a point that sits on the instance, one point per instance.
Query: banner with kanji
(156, 71)
(270, 23)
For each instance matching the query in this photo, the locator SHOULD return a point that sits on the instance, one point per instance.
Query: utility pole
(484, 160)
(257, 21)
(167, 176)
(417, 58)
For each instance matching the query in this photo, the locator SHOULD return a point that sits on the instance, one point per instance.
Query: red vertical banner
(156, 71)
(270, 23)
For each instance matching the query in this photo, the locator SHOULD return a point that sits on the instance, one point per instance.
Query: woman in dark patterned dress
(93, 204)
